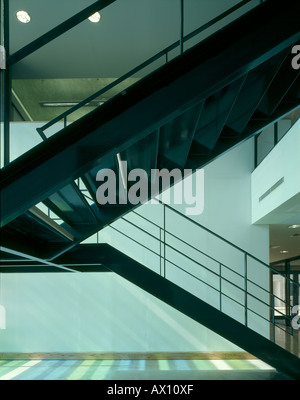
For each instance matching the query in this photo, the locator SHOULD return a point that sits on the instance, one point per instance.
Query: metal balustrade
(252, 293)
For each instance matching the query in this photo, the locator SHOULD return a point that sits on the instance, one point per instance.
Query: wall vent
(272, 188)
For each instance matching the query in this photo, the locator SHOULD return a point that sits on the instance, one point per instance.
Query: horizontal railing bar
(146, 219)
(206, 255)
(215, 20)
(226, 241)
(184, 255)
(207, 284)
(226, 295)
(284, 315)
(134, 240)
(194, 276)
(292, 281)
(203, 266)
(231, 298)
(209, 231)
(141, 229)
(224, 279)
(194, 248)
(173, 248)
(188, 244)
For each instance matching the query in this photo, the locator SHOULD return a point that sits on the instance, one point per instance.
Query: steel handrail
(196, 262)
(219, 276)
(228, 242)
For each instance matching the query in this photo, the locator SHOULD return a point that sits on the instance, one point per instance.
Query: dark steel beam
(35, 259)
(181, 25)
(6, 87)
(58, 30)
(154, 101)
(12, 238)
(41, 269)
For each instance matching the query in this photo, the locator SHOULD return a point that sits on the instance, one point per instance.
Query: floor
(151, 369)
(137, 370)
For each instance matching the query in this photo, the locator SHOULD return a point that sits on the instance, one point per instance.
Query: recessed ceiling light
(274, 247)
(283, 251)
(95, 17)
(23, 17)
(294, 226)
(94, 103)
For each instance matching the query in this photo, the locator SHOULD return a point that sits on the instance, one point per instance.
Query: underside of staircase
(184, 115)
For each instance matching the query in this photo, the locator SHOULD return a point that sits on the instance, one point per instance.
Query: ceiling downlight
(23, 17)
(95, 17)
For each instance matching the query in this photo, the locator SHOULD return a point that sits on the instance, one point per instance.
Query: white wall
(23, 137)
(282, 163)
(94, 312)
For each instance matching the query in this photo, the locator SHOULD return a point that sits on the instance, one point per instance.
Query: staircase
(184, 115)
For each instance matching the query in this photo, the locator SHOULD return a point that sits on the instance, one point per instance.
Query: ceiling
(283, 238)
(90, 56)
(128, 33)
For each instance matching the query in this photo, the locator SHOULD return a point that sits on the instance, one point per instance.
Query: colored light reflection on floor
(134, 369)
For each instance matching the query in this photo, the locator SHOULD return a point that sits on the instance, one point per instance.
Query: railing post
(6, 84)
(275, 133)
(256, 137)
(245, 289)
(220, 267)
(164, 243)
(160, 255)
(291, 325)
(181, 25)
(273, 316)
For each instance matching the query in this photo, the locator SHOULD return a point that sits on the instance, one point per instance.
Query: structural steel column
(181, 25)
(5, 82)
